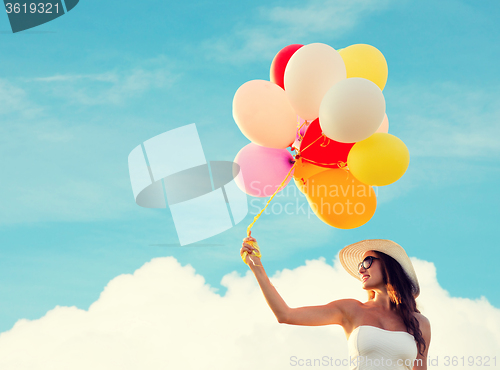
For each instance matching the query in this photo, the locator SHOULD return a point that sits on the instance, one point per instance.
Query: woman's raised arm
(336, 312)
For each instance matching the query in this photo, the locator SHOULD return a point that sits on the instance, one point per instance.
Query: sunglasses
(367, 262)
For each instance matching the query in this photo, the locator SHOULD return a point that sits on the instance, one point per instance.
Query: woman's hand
(250, 258)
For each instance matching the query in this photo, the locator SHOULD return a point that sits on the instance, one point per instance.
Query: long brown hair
(399, 288)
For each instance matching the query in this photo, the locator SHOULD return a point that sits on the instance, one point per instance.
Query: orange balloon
(339, 199)
(303, 171)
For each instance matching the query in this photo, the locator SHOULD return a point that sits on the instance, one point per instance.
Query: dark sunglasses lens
(367, 262)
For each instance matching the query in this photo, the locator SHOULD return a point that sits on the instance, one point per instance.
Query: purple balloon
(262, 169)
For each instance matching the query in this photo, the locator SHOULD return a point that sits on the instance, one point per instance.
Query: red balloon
(324, 152)
(279, 64)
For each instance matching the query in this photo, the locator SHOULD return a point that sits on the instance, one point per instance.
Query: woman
(385, 332)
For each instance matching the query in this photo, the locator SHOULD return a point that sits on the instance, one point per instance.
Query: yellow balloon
(303, 171)
(365, 61)
(379, 160)
(339, 199)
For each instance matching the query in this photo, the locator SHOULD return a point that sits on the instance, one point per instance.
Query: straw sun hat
(352, 255)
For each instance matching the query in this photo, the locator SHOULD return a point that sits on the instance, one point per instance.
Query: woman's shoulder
(350, 307)
(350, 303)
(422, 320)
(424, 324)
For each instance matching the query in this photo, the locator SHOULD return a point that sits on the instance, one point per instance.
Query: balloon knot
(326, 141)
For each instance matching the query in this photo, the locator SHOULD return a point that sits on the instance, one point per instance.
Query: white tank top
(375, 348)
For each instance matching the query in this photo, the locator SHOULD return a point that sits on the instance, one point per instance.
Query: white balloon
(352, 110)
(310, 73)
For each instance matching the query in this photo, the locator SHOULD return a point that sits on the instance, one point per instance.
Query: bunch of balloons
(327, 106)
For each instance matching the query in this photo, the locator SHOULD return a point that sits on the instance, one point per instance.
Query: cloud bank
(164, 316)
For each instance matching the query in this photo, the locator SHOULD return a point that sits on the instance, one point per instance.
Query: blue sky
(79, 93)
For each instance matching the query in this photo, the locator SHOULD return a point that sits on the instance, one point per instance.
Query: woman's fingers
(249, 237)
(246, 248)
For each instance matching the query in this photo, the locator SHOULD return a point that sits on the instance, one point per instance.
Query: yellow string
(339, 164)
(302, 149)
(272, 196)
(256, 252)
(326, 141)
(299, 127)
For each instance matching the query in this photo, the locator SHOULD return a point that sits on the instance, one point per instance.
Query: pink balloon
(262, 169)
(384, 127)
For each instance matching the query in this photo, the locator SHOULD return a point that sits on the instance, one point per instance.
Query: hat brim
(352, 255)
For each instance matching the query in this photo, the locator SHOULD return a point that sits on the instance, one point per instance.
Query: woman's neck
(382, 300)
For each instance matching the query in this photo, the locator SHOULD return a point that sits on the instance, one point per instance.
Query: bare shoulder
(422, 320)
(425, 328)
(337, 312)
(351, 309)
(348, 304)
(424, 323)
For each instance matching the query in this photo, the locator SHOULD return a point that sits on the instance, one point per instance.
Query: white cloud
(111, 87)
(165, 316)
(14, 99)
(321, 16)
(275, 27)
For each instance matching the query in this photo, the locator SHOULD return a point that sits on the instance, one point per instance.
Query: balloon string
(300, 136)
(340, 164)
(302, 149)
(277, 190)
(299, 127)
(256, 252)
(343, 166)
